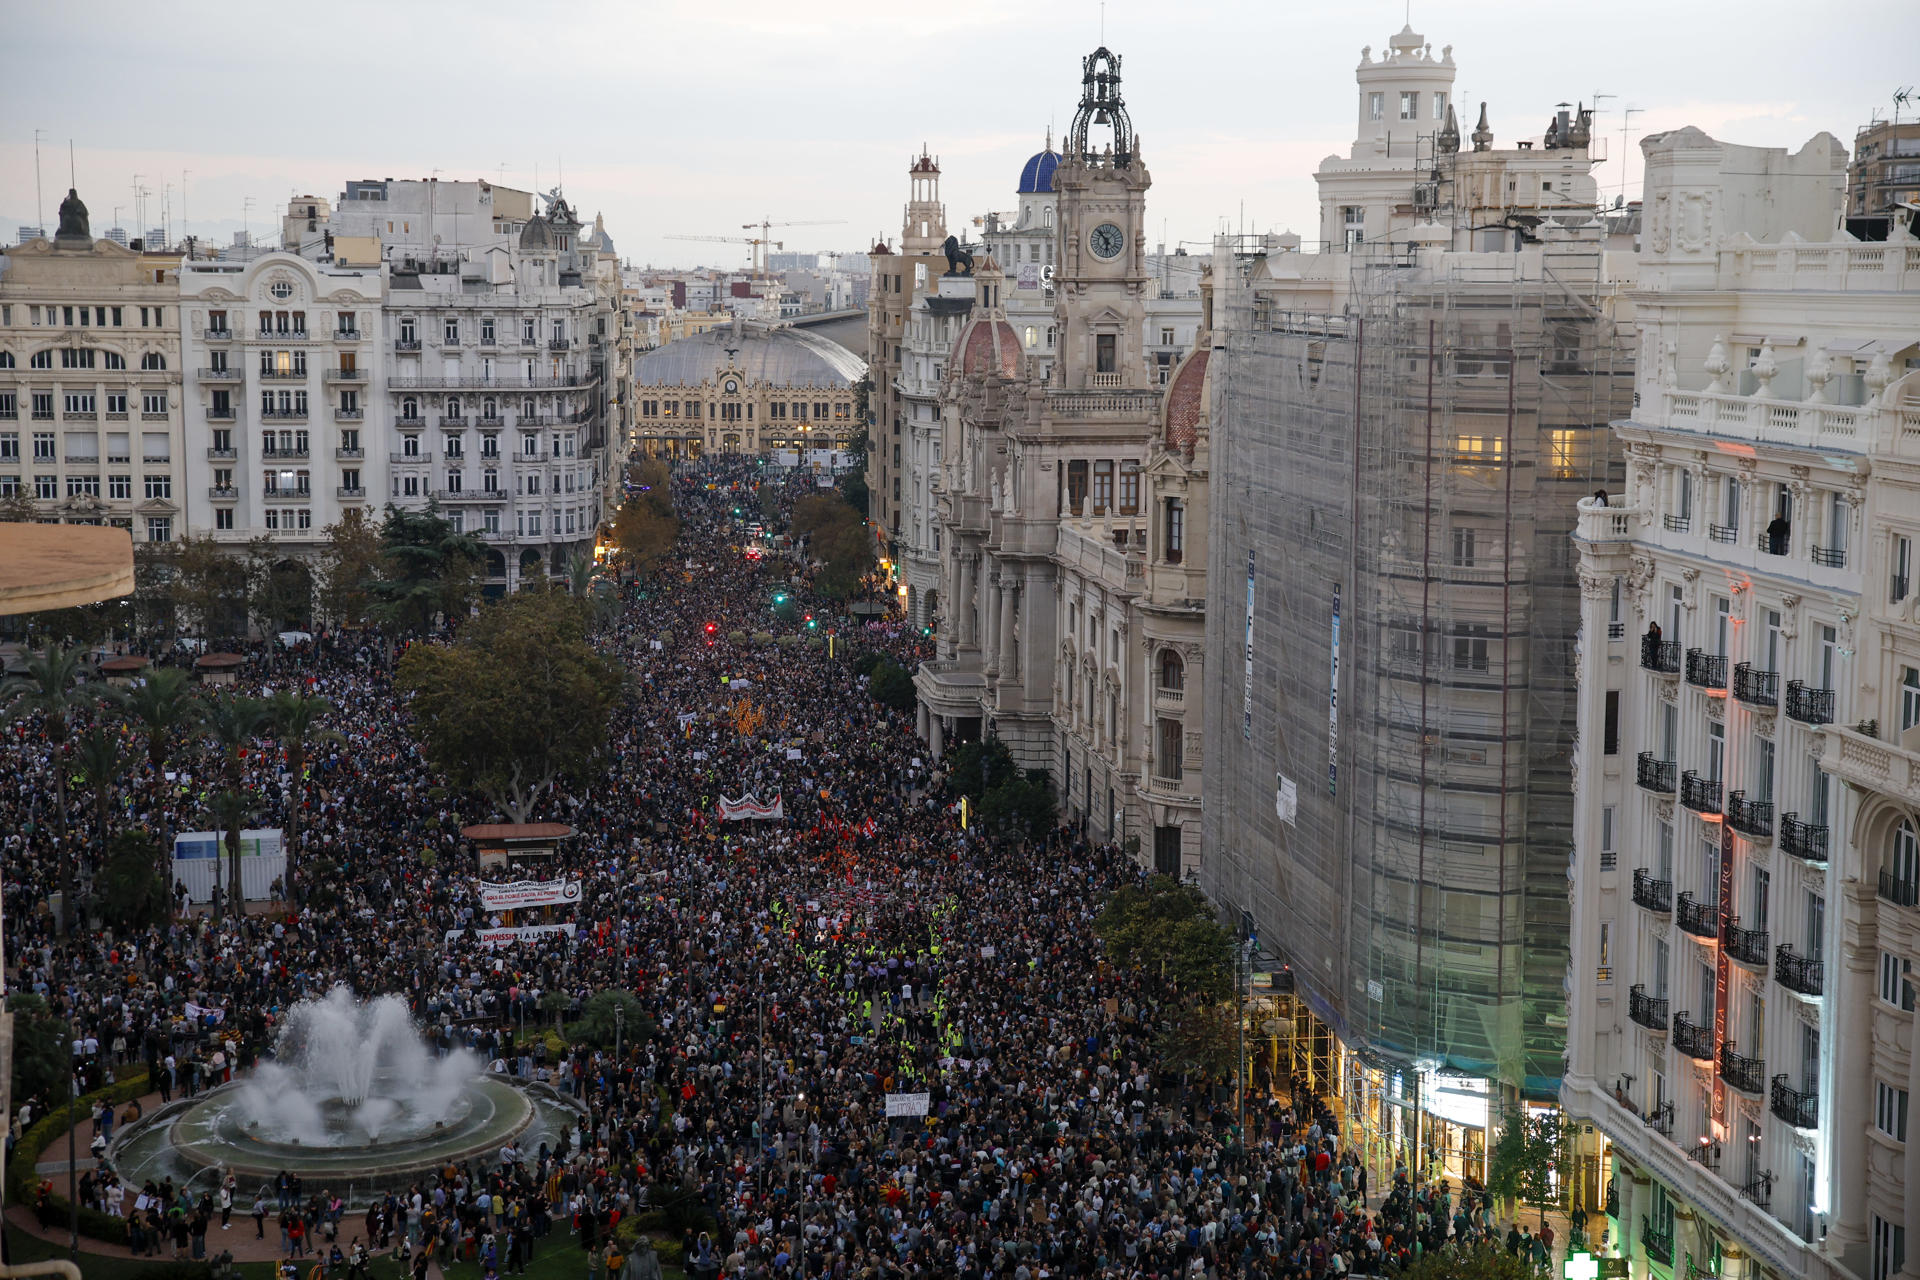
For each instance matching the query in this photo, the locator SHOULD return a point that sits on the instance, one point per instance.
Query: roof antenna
(73, 180)
(1103, 23)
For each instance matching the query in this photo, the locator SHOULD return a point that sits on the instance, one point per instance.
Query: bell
(1100, 116)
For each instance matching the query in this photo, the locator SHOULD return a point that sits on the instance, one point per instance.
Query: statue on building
(957, 258)
(74, 229)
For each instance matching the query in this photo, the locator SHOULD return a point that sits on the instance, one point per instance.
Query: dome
(1187, 402)
(988, 346)
(779, 357)
(1036, 175)
(537, 235)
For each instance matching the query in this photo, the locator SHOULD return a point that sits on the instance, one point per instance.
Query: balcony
(1750, 817)
(223, 493)
(220, 375)
(284, 375)
(1702, 795)
(1659, 1243)
(1723, 532)
(349, 455)
(220, 454)
(1654, 895)
(1706, 1154)
(1700, 919)
(1809, 706)
(220, 413)
(1660, 1119)
(414, 458)
(1830, 557)
(1760, 1191)
(1801, 1110)
(1799, 973)
(286, 451)
(559, 344)
(1706, 670)
(221, 334)
(1649, 1011)
(1806, 841)
(1748, 946)
(346, 375)
(281, 335)
(1695, 1042)
(1653, 773)
(1662, 656)
(348, 415)
(1748, 1075)
(349, 492)
(406, 344)
(298, 492)
(1677, 524)
(347, 335)
(1756, 688)
(283, 415)
(1901, 891)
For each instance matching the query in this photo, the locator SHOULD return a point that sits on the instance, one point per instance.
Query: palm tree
(231, 811)
(292, 716)
(164, 706)
(581, 571)
(101, 757)
(233, 722)
(50, 688)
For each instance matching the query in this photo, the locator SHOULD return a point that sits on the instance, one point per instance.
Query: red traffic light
(711, 628)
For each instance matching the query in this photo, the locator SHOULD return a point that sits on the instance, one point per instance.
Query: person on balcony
(1779, 533)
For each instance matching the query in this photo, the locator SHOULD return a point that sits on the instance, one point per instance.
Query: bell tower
(925, 227)
(1100, 285)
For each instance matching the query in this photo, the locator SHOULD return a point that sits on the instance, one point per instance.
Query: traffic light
(810, 622)
(711, 630)
(779, 597)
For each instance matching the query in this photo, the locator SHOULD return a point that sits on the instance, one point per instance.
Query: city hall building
(745, 388)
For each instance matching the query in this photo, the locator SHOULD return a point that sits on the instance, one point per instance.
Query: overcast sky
(677, 116)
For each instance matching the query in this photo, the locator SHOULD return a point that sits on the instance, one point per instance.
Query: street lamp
(73, 1165)
(619, 1031)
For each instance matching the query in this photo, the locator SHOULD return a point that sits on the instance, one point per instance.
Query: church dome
(1187, 402)
(988, 345)
(1036, 176)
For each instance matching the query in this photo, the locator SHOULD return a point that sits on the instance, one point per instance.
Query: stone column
(989, 619)
(936, 737)
(1006, 647)
(969, 572)
(920, 718)
(1848, 1092)
(1910, 1270)
(1635, 1197)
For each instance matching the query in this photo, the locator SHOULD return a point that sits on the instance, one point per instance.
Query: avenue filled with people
(789, 975)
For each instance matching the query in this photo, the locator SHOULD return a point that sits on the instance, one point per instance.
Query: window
(1612, 738)
(1102, 487)
(1889, 1248)
(1409, 105)
(1176, 530)
(79, 402)
(153, 362)
(9, 446)
(223, 517)
(1169, 758)
(41, 360)
(1890, 1110)
(1478, 450)
(43, 405)
(452, 332)
(114, 360)
(83, 486)
(529, 445)
(43, 446)
(46, 488)
(1470, 647)
(159, 486)
(1463, 540)
(1376, 106)
(1173, 671)
(159, 528)
(153, 402)
(1440, 106)
(1900, 561)
(486, 331)
(1909, 698)
(1894, 988)
(1129, 488)
(1104, 359)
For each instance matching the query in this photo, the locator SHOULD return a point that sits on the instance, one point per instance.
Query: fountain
(354, 1102)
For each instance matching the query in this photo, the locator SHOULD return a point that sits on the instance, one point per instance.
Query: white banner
(908, 1104)
(501, 937)
(198, 1012)
(529, 893)
(749, 806)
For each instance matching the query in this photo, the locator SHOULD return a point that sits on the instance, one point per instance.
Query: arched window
(453, 406)
(409, 408)
(6, 359)
(489, 409)
(114, 360)
(1900, 877)
(42, 359)
(1173, 672)
(1047, 217)
(153, 362)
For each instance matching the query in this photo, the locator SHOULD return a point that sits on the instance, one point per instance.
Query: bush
(22, 1182)
(891, 686)
(763, 638)
(863, 661)
(787, 642)
(598, 1027)
(736, 637)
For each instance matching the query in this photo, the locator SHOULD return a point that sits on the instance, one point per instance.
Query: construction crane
(756, 243)
(766, 226)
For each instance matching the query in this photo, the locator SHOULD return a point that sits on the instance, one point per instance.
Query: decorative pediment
(157, 507)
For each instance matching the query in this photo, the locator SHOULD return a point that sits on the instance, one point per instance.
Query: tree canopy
(426, 568)
(518, 702)
(1169, 927)
(350, 562)
(837, 537)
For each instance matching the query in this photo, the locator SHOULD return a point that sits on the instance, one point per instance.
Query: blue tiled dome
(1037, 174)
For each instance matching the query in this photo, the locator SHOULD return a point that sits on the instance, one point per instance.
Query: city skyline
(1230, 144)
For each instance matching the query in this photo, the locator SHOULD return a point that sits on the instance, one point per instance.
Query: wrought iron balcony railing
(1700, 919)
(1801, 1110)
(1695, 1042)
(1702, 795)
(1900, 890)
(1748, 946)
(1659, 1243)
(1804, 840)
(1649, 1011)
(1707, 670)
(1757, 688)
(1654, 895)
(1750, 817)
(1748, 1075)
(1653, 773)
(1795, 972)
(1809, 706)
(1662, 656)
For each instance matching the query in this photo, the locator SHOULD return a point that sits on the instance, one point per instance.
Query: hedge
(23, 1182)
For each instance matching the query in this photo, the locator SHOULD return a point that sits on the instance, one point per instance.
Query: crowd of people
(792, 974)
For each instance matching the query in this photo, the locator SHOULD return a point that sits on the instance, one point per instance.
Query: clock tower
(1100, 284)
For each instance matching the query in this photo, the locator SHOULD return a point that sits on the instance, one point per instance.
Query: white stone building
(1744, 874)
(933, 323)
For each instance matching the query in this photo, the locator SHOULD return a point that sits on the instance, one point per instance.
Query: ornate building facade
(1069, 613)
(746, 387)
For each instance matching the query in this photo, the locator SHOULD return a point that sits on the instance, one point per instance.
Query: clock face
(1106, 241)
(732, 385)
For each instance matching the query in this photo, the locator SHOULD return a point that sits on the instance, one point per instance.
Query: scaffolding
(1401, 473)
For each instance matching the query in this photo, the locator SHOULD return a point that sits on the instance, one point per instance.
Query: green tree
(426, 568)
(891, 686)
(854, 487)
(836, 536)
(519, 701)
(598, 1026)
(1022, 809)
(101, 759)
(294, 717)
(134, 891)
(1169, 928)
(1531, 1159)
(644, 533)
(233, 722)
(232, 810)
(975, 768)
(163, 706)
(1481, 1262)
(209, 587)
(349, 565)
(1202, 1040)
(18, 507)
(49, 687)
(40, 1049)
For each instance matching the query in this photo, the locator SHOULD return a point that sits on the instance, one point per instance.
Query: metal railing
(1748, 1075)
(1801, 1110)
(1707, 670)
(223, 492)
(1750, 817)
(1695, 1042)
(1659, 1244)
(1807, 705)
(1804, 840)
(1901, 891)
(1760, 1190)
(285, 451)
(1702, 795)
(298, 491)
(1654, 895)
(1662, 656)
(1701, 919)
(1759, 688)
(1795, 972)
(346, 375)
(218, 454)
(1677, 524)
(349, 491)
(1748, 946)
(406, 344)
(1830, 557)
(1773, 545)
(1723, 532)
(1660, 1119)
(348, 415)
(221, 375)
(1649, 1011)
(1653, 773)
(422, 457)
(349, 455)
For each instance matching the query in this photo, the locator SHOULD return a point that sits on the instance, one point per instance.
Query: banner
(529, 893)
(502, 937)
(908, 1104)
(201, 1012)
(749, 807)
